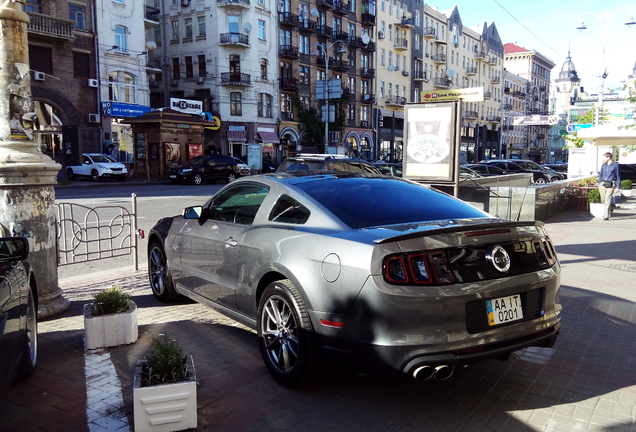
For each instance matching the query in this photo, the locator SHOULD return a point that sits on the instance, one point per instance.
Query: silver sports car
(374, 271)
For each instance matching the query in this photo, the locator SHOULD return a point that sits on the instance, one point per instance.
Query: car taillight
(425, 268)
(545, 252)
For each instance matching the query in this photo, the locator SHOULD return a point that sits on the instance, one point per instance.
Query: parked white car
(98, 166)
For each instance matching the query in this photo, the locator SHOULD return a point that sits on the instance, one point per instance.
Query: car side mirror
(194, 212)
(14, 248)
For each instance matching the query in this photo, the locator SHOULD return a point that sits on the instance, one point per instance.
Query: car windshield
(195, 161)
(369, 202)
(102, 159)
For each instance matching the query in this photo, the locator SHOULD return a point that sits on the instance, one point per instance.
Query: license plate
(173, 176)
(504, 309)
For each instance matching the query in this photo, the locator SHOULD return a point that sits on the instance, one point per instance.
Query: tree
(588, 117)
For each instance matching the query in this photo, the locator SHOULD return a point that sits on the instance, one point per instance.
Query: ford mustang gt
(374, 271)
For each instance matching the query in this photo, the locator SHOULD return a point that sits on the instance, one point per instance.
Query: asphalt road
(153, 203)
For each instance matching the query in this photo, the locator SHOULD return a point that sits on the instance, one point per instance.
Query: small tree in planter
(110, 320)
(594, 200)
(165, 389)
(626, 188)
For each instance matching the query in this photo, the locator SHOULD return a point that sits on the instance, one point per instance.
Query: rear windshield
(370, 202)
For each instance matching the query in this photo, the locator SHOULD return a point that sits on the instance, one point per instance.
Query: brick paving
(586, 383)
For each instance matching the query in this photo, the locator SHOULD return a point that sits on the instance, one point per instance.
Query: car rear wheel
(30, 348)
(554, 179)
(540, 180)
(286, 337)
(70, 174)
(159, 275)
(231, 177)
(197, 179)
(95, 175)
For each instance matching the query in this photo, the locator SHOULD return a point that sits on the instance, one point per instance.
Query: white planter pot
(626, 192)
(596, 209)
(110, 330)
(165, 407)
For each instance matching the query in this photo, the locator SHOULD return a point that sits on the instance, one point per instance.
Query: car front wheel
(159, 275)
(70, 174)
(95, 175)
(231, 177)
(540, 180)
(286, 337)
(197, 179)
(30, 348)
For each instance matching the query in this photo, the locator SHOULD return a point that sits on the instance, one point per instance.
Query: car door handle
(230, 242)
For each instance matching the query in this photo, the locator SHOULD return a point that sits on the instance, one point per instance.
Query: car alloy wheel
(30, 349)
(540, 180)
(197, 179)
(286, 337)
(231, 177)
(70, 174)
(159, 275)
(95, 175)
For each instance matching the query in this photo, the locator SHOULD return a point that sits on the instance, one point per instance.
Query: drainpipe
(27, 175)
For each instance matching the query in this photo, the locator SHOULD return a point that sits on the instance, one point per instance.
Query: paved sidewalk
(587, 383)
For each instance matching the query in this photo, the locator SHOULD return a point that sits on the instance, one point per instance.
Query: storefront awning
(236, 136)
(268, 137)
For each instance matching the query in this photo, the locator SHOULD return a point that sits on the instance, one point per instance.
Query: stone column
(27, 176)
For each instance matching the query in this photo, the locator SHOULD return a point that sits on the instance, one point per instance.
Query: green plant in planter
(626, 184)
(166, 363)
(110, 301)
(594, 196)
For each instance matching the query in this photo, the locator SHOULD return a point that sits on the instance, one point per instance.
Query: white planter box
(110, 330)
(596, 209)
(626, 192)
(165, 407)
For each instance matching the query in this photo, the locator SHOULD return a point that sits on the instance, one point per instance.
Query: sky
(549, 26)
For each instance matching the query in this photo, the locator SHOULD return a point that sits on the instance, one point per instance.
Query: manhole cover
(628, 267)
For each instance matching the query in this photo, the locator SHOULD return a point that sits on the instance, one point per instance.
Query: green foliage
(594, 196)
(166, 363)
(110, 301)
(587, 182)
(626, 184)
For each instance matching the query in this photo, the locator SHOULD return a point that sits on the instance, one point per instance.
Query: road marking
(104, 400)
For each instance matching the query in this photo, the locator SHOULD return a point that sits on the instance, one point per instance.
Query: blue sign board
(118, 109)
(578, 127)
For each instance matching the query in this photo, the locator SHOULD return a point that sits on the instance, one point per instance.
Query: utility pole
(27, 176)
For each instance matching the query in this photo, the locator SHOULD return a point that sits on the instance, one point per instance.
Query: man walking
(609, 178)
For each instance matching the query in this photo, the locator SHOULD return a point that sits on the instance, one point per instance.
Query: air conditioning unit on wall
(93, 118)
(380, 34)
(39, 76)
(93, 83)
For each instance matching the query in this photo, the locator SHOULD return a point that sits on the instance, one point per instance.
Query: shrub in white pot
(110, 320)
(165, 389)
(626, 188)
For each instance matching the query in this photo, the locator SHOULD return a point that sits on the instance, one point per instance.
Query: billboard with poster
(173, 154)
(430, 141)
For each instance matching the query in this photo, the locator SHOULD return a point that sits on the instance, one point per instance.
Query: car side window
(238, 204)
(86, 160)
(289, 210)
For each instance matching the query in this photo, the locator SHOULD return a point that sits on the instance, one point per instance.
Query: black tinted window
(368, 202)
(289, 210)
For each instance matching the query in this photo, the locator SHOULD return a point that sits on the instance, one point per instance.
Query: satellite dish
(247, 27)
(365, 38)
(391, 67)
(450, 73)
(151, 46)
(314, 12)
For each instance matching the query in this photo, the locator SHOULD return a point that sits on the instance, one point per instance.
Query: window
(264, 68)
(382, 89)
(303, 44)
(261, 30)
(121, 87)
(238, 204)
(175, 31)
(236, 104)
(352, 58)
(202, 65)
(390, 31)
(286, 103)
(176, 71)
(352, 112)
(382, 54)
(264, 105)
(364, 113)
(201, 21)
(81, 65)
(189, 67)
(288, 210)
(121, 38)
(417, 18)
(352, 5)
(233, 24)
(78, 15)
(34, 6)
(188, 28)
(304, 75)
(364, 87)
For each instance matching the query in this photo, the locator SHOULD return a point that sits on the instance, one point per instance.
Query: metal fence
(93, 233)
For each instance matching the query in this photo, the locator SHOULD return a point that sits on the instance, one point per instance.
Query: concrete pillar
(26, 175)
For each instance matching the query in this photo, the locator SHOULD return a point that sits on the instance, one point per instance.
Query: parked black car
(560, 168)
(386, 168)
(628, 172)
(321, 162)
(18, 312)
(486, 170)
(205, 168)
(539, 174)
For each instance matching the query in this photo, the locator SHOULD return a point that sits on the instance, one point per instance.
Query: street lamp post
(604, 19)
(325, 53)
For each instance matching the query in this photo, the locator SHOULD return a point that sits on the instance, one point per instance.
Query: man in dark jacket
(609, 178)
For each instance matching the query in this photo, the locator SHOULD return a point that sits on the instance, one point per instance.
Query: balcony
(395, 101)
(244, 4)
(540, 136)
(235, 39)
(325, 3)
(405, 23)
(507, 107)
(439, 58)
(338, 65)
(366, 72)
(442, 83)
(367, 98)
(324, 31)
(471, 71)
(339, 35)
(289, 52)
(287, 116)
(429, 33)
(355, 41)
(420, 75)
(307, 25)
(519, 94)
(289, 84)
(491, 60)
(487, 95)
(480, 55)
(495, 80)
(401, 44)
(507, 90)
(288, 19)
(493, 119)
(369, 47)
(151, 16)
(542, 88)
(340, 7)
(235, 79)
(470, 114)
(368, 13)
(50, 26)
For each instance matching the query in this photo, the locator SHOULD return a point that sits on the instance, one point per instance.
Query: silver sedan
(364, 269)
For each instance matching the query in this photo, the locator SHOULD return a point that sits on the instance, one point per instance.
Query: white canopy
(612, 134)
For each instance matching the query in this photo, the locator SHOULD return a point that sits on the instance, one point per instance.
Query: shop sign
(186, 106)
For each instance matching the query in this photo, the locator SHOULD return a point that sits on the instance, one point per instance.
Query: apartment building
(513, 137)
(64, 85)
(536, 68)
